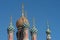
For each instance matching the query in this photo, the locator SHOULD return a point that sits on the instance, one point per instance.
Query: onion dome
(48, 34)
(22, 20)
(10, 28)
(48, 37)
(33, 30)
(48, 30)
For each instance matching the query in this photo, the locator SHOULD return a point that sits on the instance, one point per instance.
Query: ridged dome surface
(21, 21)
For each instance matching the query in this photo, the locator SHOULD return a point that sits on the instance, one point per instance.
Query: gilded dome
(21, 21)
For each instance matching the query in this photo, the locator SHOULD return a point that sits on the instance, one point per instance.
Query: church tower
(22, 26)
(10, 30)
(33, 32)
(48, 32)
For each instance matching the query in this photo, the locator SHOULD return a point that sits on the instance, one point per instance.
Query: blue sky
(41, 10)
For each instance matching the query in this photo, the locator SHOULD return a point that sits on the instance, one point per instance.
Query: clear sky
(41, 10)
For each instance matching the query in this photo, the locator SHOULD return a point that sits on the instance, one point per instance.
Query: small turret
(48, 32)
(33, 31)
(10, 30)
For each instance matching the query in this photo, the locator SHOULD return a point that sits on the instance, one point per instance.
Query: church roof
(22, 20)
(11, 27)
(34, 30)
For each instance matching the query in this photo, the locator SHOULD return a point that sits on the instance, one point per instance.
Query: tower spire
(48, 32)
(34, 31)
(33, 22)
(47, 24)
(22, 9)
(26, 14)
(10, 30)
(11, 20)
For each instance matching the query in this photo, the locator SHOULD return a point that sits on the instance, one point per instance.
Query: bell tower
(10, 30)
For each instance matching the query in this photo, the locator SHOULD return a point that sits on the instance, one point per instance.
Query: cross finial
(47, 24)
(25, 14)
(33, 22)
(11, 20)
(22, 9)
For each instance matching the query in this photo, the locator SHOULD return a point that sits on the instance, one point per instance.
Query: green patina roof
(34, 30)
(26, 25)
(11, 27)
